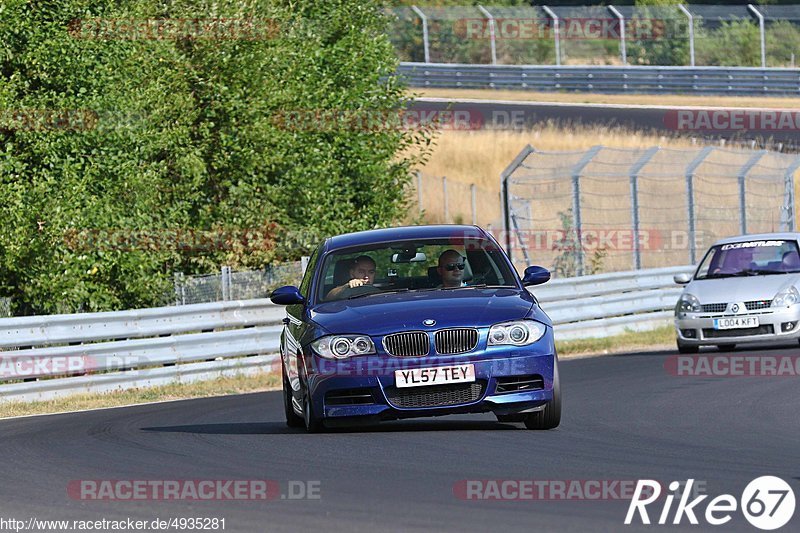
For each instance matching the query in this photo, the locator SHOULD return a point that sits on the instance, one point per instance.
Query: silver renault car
(746, 289)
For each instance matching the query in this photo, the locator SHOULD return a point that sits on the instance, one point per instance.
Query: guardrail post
(576, 203)
(492, 38)
(789, 221)
(743, 189)
(180, 288)
(556, 33)
(634, 176)
(425, 43)
(472, 199)
(623, 52)
(690, 170)
(505, 196)
(691, 32)
(758, 14)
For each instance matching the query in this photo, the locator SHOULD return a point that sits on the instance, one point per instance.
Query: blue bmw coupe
(412, 322)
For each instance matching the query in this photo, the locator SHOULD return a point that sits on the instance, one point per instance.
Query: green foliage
(570, 248)
(180, 134)
(734, 43)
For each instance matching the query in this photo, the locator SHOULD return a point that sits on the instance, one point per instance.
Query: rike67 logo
(767, 503)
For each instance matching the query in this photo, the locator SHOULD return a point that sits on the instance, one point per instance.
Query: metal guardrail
(101, 352)
(98, 352)
(606, 79)
(602, 305)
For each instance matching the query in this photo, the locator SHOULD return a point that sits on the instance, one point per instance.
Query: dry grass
(626, 342)
(238, 384)
(772, 102)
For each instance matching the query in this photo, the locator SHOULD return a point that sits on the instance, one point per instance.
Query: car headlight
(688, 303)
(517, 333)
(786, 297)
(343, 346)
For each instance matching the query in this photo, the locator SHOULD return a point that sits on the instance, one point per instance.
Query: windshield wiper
(378, 292)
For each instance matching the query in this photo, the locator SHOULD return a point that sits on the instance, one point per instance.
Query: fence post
(576, 202)
(506, 197)
(623, 52)
(180, 289)
(556, 33)
(691, 32)
(492, 38)
(419, 191)
(758, 14)
(634, 177)
(474, 212)
(690, 170)
(789, 196)
(425, 44)
(743, 189)
(226, 283)
(446, 207)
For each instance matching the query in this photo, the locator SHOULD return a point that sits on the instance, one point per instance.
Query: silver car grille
(456, 340)
(407, 344)
(755, 305)
(714, 308)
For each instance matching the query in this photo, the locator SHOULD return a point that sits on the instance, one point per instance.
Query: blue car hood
(387, 313)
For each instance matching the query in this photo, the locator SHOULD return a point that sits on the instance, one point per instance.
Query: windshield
(747, 258)
(420, 265)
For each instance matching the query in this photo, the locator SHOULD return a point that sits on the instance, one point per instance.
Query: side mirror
(682, 279)
(535, 275)
(287, 295)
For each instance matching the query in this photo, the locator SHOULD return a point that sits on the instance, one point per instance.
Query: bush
(180, 134)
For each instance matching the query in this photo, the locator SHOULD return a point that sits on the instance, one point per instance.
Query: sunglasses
(452, 266)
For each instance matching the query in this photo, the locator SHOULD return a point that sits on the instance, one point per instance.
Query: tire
(312, 423)
(687, 348)
(550, 416)
(725, 347)
(292, 420)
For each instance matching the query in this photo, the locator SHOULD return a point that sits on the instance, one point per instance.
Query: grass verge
(265, 382)
(761, 102)
(177, 391)
(628, 341)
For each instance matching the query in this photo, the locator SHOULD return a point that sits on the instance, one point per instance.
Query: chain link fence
(679, 35)
(236, 285)
(439, 200)
(607, 209)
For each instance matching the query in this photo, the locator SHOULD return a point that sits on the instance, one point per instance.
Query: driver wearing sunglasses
(451, 269)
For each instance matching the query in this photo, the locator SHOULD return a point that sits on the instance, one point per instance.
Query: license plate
(736, 322)
(418, 377)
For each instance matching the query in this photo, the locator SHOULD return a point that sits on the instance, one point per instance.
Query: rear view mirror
(287, 295)
(682, 279)
(535, 275)
(418, 257)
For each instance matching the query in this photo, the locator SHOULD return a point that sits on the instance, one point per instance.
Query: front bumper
(368, 383)
(697, 329)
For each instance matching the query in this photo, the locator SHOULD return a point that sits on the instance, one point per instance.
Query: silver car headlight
(343, 346)
(786, 297)
(517, 333)
(687, 303)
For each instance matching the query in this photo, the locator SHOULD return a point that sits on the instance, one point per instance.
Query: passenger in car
(451, 269)
(361, 273)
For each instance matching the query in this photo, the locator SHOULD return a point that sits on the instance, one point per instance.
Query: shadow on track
(279, 428)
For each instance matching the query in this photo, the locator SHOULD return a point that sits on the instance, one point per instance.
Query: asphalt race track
(625, 418)
(658, 119)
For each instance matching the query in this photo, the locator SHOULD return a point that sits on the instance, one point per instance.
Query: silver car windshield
(750, 258)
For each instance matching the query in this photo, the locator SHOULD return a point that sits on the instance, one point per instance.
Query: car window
(308, 276)
(754, 257)
(413, 266)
